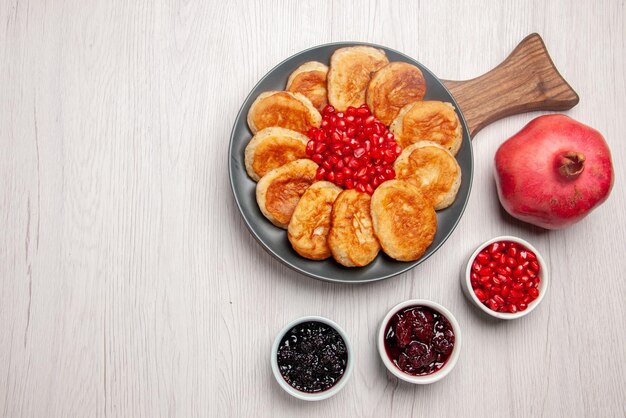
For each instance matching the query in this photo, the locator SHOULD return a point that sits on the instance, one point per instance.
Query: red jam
(419, 340)
(505, 277)
(354, 150)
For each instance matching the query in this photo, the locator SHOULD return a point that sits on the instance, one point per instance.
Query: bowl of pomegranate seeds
(419, 341)
(506, 277)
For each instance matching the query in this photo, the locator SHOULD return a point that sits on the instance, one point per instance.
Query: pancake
(351, 239)
(349, 75)
(429, 120)
(283, 109)
(279, 191)
(433, 169)
(310, 223)
(405, 222)
(393, 87)
(309, 79)
(272, 148)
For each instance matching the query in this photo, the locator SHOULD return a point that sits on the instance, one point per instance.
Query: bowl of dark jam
(419, 341)
(312, 358)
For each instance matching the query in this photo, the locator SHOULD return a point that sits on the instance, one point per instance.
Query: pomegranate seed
(519, 270)
(505, 291)
(534, 266)
(533, 293)
(363, 112)
(483, 258)
(349, 184)
(522, 256)
(480, 295)
(359, 187)
(493, 248)
(331, 176)
(522, 306)
(317, 158)
(512, 308)
(485, 271)
(517, 294)
(320, 174)
(310, 147)
(359, 152)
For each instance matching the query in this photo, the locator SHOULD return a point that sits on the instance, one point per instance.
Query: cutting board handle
(526, 80)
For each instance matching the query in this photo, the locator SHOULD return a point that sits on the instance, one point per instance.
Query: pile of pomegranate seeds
(354, 150)
(505, 277)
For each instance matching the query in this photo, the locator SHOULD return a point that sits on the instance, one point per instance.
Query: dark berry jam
(419, 340)
(312, 357)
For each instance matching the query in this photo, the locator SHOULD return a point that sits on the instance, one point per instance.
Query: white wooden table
(130, 287)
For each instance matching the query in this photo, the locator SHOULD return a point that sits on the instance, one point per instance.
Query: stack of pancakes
(324, 220)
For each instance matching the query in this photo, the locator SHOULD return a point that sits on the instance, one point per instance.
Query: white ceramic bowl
(447, 367)
(544, 276)
(304, 395)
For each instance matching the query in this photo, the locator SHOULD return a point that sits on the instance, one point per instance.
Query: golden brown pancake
(279, 191)
(309, 79)
(350, 72)
(393, 87)
(405, 222)
(283, 109)
(428, 120)
(272, 148)
(310, 223)
(432, 169)
(351, 238)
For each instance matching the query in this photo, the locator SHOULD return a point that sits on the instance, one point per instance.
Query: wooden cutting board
(527, 80)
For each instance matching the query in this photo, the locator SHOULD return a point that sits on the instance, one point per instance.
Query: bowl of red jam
(506, 277)
(419, 341)
(312, 358)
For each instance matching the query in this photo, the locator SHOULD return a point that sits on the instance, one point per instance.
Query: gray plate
(274, 239)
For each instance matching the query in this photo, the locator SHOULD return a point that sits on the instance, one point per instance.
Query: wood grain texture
(525, 81)
(130, 287)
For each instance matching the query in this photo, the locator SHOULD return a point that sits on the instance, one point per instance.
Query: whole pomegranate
(553, 172)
